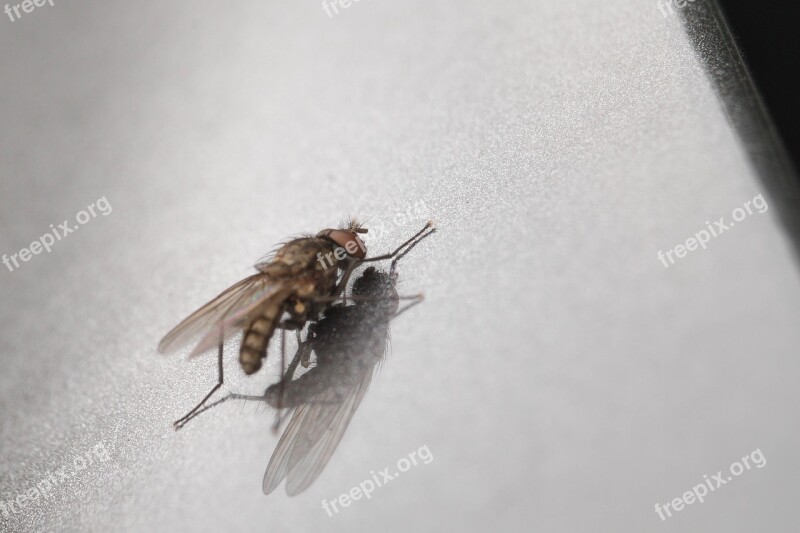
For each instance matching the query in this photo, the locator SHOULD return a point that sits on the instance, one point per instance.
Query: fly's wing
(312, 436)
(245, 311)
(223, 314)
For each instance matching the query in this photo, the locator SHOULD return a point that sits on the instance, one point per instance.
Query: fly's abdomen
(256, 338)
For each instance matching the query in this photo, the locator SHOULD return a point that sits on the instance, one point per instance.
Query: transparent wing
(227, 311)
(313, 434)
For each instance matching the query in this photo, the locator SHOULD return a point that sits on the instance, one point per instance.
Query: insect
(349, 343)
(302, 278)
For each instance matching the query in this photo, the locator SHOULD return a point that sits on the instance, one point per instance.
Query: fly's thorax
(307, 300)
(296, 257)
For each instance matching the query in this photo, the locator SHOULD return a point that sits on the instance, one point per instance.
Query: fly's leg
(303, 353)
(416, 240)
(345, 278)
(229, 396)
(178, 424)
(277, 423)
(283, 364)
(412, 241)
(418, 299)
(300, 345)
(302, 356)
(304, 349)
(290, 325)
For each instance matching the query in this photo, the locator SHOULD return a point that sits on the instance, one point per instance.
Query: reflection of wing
(229, 309)
(313, 435)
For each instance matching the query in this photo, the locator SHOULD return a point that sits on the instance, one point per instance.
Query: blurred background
(560, 375)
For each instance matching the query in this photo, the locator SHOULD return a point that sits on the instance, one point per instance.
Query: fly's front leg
(418, 236)
(343, 282)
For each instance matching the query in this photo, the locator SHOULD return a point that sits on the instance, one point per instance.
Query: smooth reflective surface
(561, 376)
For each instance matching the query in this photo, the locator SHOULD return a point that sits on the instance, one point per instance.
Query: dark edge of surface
(744, 109)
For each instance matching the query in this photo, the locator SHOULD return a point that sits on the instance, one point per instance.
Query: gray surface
(561, 377)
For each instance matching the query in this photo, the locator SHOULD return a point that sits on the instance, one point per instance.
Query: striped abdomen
(256, 337)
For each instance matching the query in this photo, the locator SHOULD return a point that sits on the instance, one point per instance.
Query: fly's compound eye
(348, 240)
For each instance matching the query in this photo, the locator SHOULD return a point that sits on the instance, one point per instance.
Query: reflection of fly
(295, 281)
(349, 342)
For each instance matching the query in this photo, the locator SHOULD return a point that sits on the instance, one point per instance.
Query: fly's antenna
(359, 226)
(352, 224)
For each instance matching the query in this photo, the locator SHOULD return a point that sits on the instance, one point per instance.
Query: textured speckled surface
(561, 377)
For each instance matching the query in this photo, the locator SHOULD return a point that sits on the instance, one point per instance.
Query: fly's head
(347, 240)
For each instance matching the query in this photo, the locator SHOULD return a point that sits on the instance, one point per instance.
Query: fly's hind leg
(279, 407)
(229, 396)
(302, 356)
(303, 353)
(290, 325)
(178, 424)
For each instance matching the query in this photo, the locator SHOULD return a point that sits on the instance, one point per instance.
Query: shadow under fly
(299, 282)
(347, 345)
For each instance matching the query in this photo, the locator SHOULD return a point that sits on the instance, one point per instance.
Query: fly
(349, 343)
(303, 277)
